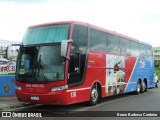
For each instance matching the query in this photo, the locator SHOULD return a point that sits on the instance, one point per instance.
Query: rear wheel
(143, 87)
(94, 95)
(138, 88)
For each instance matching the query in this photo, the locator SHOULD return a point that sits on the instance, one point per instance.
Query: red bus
(69, 62)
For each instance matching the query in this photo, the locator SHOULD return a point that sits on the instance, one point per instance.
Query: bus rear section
(119, 74)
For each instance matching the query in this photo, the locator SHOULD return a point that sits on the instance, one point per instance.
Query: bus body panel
(98, 68)
(54, 98)
(64, 97)
(143, 70)
(115, 79)
(38, 88)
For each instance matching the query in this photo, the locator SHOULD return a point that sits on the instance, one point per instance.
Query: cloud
(26, 1)
(138, 18)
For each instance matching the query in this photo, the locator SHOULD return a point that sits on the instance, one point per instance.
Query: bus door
(74, 67)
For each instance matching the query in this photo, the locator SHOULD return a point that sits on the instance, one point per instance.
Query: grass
(157, 71)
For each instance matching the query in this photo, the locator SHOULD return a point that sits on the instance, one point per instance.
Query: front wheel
(94, 95)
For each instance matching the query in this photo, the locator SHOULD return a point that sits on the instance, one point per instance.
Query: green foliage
(157, 63)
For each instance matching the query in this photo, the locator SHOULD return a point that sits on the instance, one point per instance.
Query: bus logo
(142, 63)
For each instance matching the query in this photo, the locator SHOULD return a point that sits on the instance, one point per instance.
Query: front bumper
(51, 98)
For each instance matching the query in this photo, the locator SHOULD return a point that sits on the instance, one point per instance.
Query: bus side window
(125, 46)
(80, 38)
(112, 43)
(134, 46)
(143, 51)
(149, 52)
(78, 54)
(97, 41)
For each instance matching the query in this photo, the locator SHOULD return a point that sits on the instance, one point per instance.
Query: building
(3, 46)
(157, 55)
(7, 69)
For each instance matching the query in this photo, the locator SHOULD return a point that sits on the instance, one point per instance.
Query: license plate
(34, 98)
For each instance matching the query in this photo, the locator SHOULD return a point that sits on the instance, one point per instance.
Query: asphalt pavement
(10, 102)
(148, 101)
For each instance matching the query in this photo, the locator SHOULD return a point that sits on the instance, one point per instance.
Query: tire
(143, 87)
(146, 87)
(138, 88)
(156, 85)
(94, 95)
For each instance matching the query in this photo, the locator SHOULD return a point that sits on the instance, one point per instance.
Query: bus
(69, 62)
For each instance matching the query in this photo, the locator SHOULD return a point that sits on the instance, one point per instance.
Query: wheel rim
(94, 95)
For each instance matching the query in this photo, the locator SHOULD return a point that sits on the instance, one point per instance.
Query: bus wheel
(145, 90)
(138, 88)
(143, 87)
(94, 95)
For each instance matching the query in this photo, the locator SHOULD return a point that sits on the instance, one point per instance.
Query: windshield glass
(46, 34)
(40, 64)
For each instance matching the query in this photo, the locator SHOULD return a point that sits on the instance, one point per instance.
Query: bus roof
(94, 27)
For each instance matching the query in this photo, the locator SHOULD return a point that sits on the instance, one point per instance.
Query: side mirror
(11, 51)
(64, 48)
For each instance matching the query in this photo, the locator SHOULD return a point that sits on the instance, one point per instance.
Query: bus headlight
(55, 89)
(18, 87)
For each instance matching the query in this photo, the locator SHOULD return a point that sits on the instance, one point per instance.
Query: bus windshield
(39, 58)
(40, 64)
(46, 34)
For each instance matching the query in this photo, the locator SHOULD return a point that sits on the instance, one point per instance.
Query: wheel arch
(139, 80)
(99, 85)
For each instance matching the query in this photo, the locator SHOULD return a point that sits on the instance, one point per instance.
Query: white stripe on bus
(89, 88)
(131, 73)
(79, 89)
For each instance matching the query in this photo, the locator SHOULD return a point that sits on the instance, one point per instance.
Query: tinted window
(134, 48)
(125, 46)
(112, 43)
(143, 50)
(149, 52)
(78, 55)
(97, 40)
(46, 34)
(80, 38)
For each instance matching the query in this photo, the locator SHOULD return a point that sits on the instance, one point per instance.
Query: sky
(139, 19)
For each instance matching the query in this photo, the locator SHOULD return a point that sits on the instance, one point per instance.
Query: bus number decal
(73, 94)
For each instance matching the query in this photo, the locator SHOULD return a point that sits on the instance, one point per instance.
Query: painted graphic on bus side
(115, 74)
